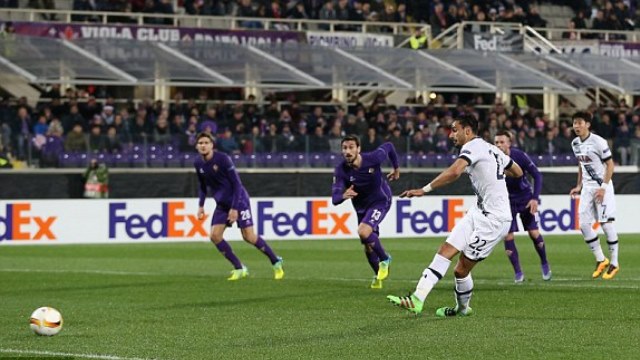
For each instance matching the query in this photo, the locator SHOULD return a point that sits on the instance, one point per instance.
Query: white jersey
(486, 171)
(591, 154)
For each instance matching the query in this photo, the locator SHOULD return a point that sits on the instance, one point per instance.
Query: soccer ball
(46, 321)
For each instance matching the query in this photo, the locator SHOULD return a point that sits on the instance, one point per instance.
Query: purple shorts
(373, 214)
(529, 220)
(245, 219)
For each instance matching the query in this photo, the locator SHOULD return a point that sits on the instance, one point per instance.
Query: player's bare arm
(608, 174)
(200, 212)
(514, 170)
(446, 177)
(576, 190)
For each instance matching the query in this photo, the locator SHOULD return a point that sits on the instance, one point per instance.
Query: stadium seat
(426, 160)
(121, 160)
(188, 159)
(318, 160)
(156, 160)
(240, 160)
(69, 160)
(83, 159)
(105, 158)
(441, 161)
(138, 161)
(173, 160)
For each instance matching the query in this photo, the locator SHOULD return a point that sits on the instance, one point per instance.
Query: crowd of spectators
(440, 14)
(250, 127)
(616, 15)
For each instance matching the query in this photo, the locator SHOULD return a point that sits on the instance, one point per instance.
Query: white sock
(591, 238)
(464, 290)
(612, 241)
(431, 275)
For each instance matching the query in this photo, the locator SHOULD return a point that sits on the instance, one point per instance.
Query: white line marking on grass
(561, 282)
(99, 272)
(54, 353)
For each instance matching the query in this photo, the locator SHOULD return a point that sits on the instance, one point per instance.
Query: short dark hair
(468, 120)
(506, 133)
(582, 115)
(205, 134)
(351, 138)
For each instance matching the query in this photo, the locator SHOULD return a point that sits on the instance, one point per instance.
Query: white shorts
(592, 212)
(476, 234)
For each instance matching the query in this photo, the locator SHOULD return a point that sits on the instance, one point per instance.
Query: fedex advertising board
(155, 220)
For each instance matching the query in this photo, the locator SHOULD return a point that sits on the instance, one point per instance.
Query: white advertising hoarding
(156, 220)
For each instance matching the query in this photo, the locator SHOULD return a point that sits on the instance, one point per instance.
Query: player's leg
(606, 216)
(512, 253)
(587, 215)
(369, 237)
(370, 254)
(430, 277)
(612, 242)
(486, 235)
(530, 223)
(249, 235)
(456, 241)
(216, 236)
(510, 245)
(463, 289)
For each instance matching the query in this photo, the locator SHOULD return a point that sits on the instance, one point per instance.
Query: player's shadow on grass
(231, 301)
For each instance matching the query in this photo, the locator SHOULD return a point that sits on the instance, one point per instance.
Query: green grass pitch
(172, 301)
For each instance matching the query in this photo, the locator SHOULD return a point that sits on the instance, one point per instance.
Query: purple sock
(376, 245)
(225, 250)
(374, 261)
(539, 245)
(512, 253)
(262, 246)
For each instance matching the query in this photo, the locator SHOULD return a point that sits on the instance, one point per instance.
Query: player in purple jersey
(360, 179)
(217, 173)
(524, 202)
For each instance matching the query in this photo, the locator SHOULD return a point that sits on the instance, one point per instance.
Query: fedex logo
(564, 220)
(171, 222)
(19, 225)
(436, 221)
(315, 220)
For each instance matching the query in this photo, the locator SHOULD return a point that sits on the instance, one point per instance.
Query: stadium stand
(292, 130)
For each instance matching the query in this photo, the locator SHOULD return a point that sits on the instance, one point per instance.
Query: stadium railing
(222, 22)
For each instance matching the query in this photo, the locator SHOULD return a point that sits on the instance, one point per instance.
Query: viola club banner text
(157, 220)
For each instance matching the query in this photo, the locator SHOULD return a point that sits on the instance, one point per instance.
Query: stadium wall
(300, 218)
(169, 183)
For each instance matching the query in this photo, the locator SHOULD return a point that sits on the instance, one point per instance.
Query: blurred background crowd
(85, 124)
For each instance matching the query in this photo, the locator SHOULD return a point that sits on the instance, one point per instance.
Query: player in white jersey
(597, 198)
(480, 230)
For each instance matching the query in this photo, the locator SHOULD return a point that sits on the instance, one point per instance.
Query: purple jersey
(220, 175)
(368, 180)
(520, 188)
